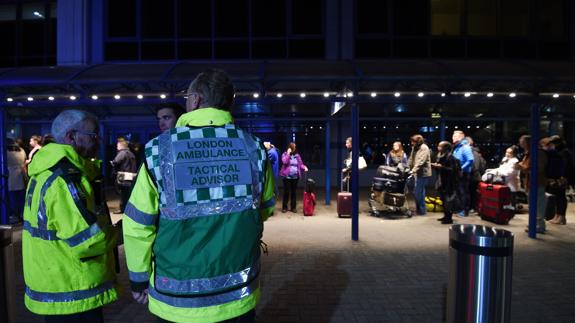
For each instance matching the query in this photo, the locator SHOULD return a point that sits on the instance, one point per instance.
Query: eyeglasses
(189, 94)
(92, 135)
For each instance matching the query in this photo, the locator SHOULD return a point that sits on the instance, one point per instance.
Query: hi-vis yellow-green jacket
(194, 220)
(67, 249)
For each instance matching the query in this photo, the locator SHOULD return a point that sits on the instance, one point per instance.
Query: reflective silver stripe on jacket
(206, 209)
(84, 235)
(51, 297)
(138, 216)
(43, 234)
(138, 276)
(206, 285)
(205, 301)
(42, 217)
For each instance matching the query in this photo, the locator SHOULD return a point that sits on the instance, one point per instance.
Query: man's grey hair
(215, 88)
(70, 120)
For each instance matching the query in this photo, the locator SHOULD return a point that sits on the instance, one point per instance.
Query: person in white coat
(507, 172)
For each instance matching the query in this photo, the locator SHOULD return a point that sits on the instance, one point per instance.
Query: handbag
(125, 178)
(361, 164)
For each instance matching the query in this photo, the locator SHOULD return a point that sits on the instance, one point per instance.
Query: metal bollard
(7, 288)
(480, 270)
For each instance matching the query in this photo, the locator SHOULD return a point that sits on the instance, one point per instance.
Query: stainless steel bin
(7, 288)
(480, 270)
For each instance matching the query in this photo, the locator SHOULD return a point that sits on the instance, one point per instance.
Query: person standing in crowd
(292, 166)
(479, 166)
(346, 170)
(447, 181)
(195, 217)
(16, 161)
(508, 171)
(168, 114)
(124, 162)
(419, 163)
(524, 165)
(396, 155)
(463, 152)
(556, 172)
(273, 157)
(35, 144)
(67, 245)
(567, 157)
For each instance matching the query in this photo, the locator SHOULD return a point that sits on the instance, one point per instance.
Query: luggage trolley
(388, 196)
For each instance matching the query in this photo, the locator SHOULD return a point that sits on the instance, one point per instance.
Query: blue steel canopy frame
(440, 81)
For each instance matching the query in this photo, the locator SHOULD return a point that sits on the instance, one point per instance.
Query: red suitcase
(308, 203)
(344, 207)
(495, 203)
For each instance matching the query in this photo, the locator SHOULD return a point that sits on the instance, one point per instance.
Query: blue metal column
(533, 152)
(327, 162)
(4, 170)
(355, 172)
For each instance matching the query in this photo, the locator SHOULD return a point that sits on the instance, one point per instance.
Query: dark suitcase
(382, 184)
(388, 172)
(495, 203)
(550, 206)
(393, 199)
(344, 205)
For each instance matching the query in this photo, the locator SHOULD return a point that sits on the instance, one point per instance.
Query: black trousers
(290, 187)
(560, 198)
(473, 195)
(248, 317)
(92, 316)
(124, 196)
(464, 193)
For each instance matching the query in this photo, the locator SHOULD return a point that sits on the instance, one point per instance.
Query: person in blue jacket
(462, 152)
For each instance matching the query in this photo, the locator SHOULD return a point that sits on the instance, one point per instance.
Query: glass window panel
(232, 50)
(410, 48)
(372, 17)
(551, 19)
(158, 50)
(7, 12)
(122, 18)
(482, 17)
(201, 24)
(267, 49)
(269, 18)
(195, 50)
(309, 48)
(372, 48)
(33, 38)
(514, 18)
(411, 17)
(307, 17)
(519, 49)
(121, 51)
(53, 10)
(231, 18)
(483, 48)
(157, 18)
(447, 48)
(33, 11)
(446, 17)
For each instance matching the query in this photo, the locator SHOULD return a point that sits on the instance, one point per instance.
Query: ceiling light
(397, 94)
(30, 99)
(443, 94)
(9, 99)
(556, 95)
(373, 94)
(117, 97)
(512, 94)
(349, 94)
(490, 94)
(162, 96)
(302, 95)
(72, 97)
(51, 98)
(326, 94)
(139, 96)
(256, 95)
(279, 95)
(467, 94)
(94, 97)
(420, 94)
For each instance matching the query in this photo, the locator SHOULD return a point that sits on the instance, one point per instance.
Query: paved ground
(396, 272)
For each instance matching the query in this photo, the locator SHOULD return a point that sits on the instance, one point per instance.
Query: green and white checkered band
(206, 171)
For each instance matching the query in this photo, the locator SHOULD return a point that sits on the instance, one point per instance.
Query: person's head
(558, 142)
(11, 145)
(35, 140)
(47, 139)
(348, 143)
(545, 144)
(444, 147)
(524, 142)
(292, 146)
(469, 141)
(511, 152)
(268, 145)
(167, 114)
(122, 143)
(457, 136)
(416, 140)
(211, 88)
(397, 146)
(78, 129)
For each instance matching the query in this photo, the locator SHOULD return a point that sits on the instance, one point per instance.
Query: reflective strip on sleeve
(269, 203)
(42, 217)
(88, 216)
(30, 194)
(139, 276)
(43, 234)
(205, 301)
(47, 297)
(206, 285)
(138, 216)
(84, 235)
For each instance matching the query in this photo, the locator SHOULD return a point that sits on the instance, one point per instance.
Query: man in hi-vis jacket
(195, 216)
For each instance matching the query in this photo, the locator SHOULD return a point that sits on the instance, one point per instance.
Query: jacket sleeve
(268, 200)
(285, 158)
(139, 225)
(467, 154)
(300, 162)
(87, 234)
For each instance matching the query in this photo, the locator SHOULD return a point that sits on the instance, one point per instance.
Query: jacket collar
(205, 117)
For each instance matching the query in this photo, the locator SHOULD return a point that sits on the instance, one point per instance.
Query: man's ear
(70, 137)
